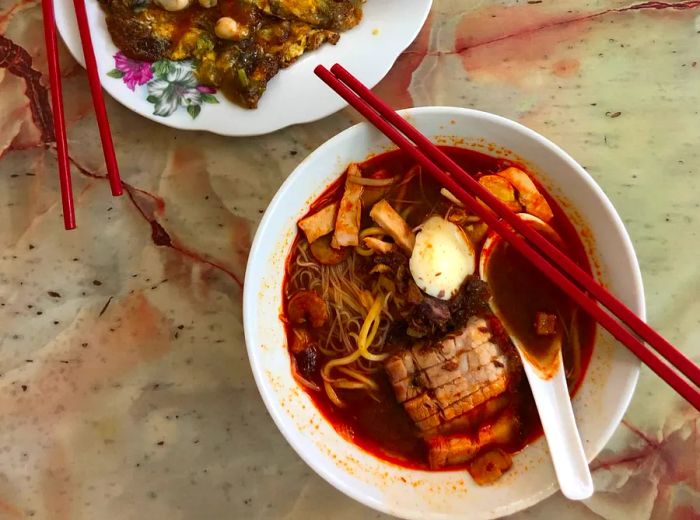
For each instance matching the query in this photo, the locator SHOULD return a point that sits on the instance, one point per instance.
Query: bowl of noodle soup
(380, 472)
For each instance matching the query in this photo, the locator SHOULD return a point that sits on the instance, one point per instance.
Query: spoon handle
(557, 417)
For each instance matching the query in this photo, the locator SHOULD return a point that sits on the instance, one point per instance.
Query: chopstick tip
(338, 67)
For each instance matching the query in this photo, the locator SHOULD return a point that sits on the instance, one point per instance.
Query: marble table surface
(125, 390)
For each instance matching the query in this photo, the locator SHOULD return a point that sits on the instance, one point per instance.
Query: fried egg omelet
(236, 45)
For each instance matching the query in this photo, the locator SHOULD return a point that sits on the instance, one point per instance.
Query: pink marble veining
(124, 383)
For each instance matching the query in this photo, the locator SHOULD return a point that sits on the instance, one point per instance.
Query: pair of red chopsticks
(552, 262)
(57, 102)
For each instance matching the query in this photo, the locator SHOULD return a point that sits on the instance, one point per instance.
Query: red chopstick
(383, 118)
(684, 364)
(59, 121)
(97, 99)
(58, 117)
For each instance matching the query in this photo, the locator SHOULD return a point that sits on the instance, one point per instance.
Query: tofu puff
(236, 45)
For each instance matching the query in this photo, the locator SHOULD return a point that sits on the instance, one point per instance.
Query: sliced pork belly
(458, 449)
(441, 381)
(448, 451)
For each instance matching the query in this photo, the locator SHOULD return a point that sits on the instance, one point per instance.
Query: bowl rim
(250, 300)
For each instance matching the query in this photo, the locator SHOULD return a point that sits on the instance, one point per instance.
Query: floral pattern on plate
(169, 84)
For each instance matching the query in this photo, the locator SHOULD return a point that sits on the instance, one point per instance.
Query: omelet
(273, 34)
(327, 14)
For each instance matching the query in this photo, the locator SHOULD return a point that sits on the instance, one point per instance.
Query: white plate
(598, 405)
(294, 96)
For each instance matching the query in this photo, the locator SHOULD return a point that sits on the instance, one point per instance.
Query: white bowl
(598, 405)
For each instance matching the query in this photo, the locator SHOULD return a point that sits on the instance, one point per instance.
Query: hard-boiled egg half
(442, 258)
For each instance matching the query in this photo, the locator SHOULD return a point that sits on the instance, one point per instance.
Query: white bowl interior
(598, 405)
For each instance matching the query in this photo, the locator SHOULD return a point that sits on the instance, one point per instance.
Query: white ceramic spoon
(557, 417)
(553, 405)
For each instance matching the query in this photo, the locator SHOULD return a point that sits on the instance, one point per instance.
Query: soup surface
(390, 327)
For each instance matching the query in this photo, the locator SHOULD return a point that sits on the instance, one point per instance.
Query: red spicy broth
(378, 423)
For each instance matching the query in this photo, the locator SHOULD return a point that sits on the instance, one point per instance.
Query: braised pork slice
(457, 449)
(448, 451)
(439, 382)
